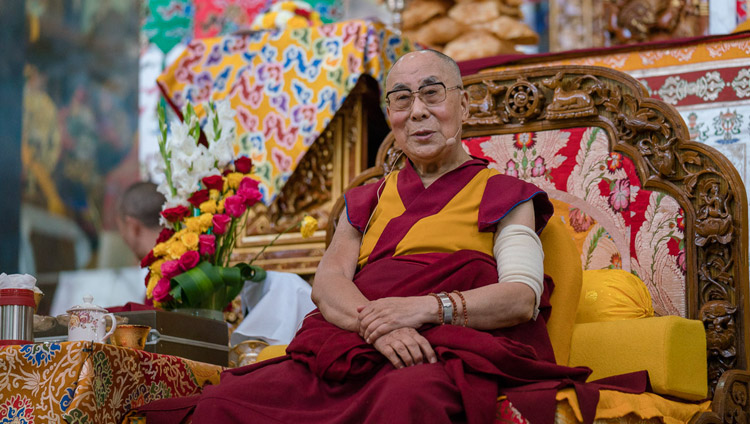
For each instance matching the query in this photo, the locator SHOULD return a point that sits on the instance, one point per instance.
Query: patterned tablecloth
(83, 382)
(284, 85)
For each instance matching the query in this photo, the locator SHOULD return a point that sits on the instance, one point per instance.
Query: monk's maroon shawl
(333, 368)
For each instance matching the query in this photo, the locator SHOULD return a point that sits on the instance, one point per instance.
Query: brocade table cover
(84, 382)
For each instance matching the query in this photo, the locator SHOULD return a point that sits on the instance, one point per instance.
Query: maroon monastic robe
(333, 376)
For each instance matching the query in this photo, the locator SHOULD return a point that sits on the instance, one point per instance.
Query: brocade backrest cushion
(615, 222)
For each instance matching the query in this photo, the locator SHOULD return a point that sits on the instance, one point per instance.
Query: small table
(85, 382)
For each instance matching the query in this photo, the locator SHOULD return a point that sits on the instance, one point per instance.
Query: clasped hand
(390, 324)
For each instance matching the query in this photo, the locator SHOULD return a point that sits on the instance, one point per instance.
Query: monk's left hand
(380, 317)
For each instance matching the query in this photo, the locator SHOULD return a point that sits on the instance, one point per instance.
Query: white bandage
(520, 259)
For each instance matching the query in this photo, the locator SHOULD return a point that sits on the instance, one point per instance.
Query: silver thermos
(16, 316)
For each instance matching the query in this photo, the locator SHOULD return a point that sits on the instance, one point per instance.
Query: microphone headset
(452, 140)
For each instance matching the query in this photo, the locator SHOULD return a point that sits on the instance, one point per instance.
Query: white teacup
(87, 322)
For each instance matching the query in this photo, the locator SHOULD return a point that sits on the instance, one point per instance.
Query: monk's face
(427, 130)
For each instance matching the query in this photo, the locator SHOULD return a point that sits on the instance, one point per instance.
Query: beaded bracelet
(440, 308)
(463, 306)
(455, 309)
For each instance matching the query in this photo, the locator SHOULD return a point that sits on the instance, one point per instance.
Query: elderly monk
(431, 297)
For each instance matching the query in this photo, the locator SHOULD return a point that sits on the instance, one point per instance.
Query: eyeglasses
(430, 94)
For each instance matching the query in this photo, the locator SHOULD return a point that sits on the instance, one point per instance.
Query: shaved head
(451, 65)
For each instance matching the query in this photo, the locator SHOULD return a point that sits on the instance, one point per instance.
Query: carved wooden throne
(668, 209)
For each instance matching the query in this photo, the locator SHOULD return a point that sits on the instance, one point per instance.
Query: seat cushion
(672, 349)
(612, 294)
(563, 263)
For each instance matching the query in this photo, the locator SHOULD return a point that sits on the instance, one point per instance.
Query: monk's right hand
(405, 347)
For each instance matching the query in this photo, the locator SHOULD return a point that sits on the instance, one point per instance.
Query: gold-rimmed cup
(130, 335)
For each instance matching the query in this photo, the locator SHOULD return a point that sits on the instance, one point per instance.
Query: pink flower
(579, 220)
(207, 244)
(170, 269)
(619, 198)
(220, 223)
(235, 205)
(248, 189)
(681, 262)
(510, 169)
(189, 260)
(161, 291)
(539, 168)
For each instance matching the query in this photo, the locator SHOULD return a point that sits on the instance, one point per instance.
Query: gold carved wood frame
(655, 137)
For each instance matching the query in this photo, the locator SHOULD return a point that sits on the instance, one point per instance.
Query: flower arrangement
(208, 194)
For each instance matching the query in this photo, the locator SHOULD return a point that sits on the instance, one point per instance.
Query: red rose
(170, 269)
(176, 213)
(214, 182)
(235, 205)
(243, 164)
(148, 277)
(148, 259)
(220, 223)
(198, 197)
(189, 260)
(164, 235)
(161, 291)
(207, 244)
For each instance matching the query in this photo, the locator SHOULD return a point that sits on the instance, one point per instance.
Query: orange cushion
(563, 263)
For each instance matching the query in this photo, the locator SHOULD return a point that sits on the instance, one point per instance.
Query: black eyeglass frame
(413, 92)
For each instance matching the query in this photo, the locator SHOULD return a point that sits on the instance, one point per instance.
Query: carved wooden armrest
(730, 403)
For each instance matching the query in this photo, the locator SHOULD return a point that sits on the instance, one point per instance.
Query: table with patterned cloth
(84, 382)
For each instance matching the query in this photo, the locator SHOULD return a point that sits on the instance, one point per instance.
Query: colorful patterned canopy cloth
(83, 382)
(284, 85)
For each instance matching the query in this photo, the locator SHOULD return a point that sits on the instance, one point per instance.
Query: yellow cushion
(612, 294)
(563, 263)
(672, 349)
(272, 351)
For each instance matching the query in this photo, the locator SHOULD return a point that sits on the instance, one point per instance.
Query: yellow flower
(190, 240)
(158, 305)
(206, 221)
(152, 281)
(220, 206)
(209, 206)
(156, 267)
(193, 224)
(308, 226)
(214, 194)
(176, 249)
(232, 180)
(160, 249)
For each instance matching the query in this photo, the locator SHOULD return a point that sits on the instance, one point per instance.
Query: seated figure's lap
(272, 390)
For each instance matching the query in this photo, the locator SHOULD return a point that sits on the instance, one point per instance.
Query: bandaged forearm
(520, 259)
